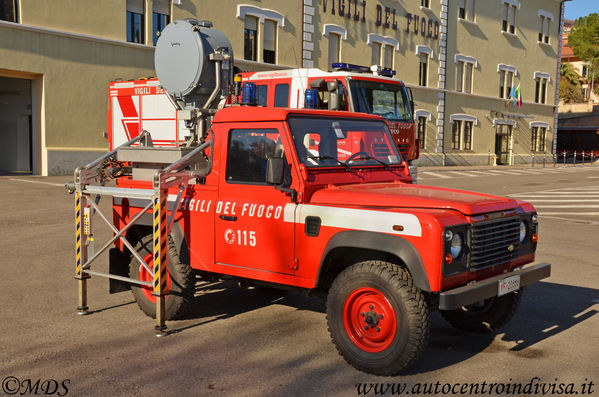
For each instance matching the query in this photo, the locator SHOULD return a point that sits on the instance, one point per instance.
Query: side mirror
(275, 169)
(333, 88)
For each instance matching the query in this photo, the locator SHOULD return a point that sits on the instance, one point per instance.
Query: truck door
(251, 232)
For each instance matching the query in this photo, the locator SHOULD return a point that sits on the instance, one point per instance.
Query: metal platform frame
(86, 184)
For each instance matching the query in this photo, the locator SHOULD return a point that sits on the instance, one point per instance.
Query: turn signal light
(448, 259)
(535, 237)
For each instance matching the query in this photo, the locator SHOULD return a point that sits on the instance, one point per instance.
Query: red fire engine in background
(349, 87)
(142, 104)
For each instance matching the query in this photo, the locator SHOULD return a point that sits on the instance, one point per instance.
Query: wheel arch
(362, 245)
(145, 225)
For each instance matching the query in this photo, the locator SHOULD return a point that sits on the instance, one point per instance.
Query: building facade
(463, 60)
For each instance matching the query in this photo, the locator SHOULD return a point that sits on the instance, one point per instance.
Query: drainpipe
(557, 76)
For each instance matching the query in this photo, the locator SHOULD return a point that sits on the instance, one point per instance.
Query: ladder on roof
(170, 174)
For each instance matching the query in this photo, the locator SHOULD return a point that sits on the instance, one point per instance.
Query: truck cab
(370, 90)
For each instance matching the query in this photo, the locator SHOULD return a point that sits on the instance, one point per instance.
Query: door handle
(228, 218)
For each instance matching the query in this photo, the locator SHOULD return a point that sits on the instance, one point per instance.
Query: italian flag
(518, 98)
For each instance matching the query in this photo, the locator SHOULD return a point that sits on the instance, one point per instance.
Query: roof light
(311, 101)
(379, 71)
(349, 67)
(248, 94)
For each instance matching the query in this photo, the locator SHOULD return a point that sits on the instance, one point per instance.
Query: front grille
(403, 148)
(380, 150)
(494, 242)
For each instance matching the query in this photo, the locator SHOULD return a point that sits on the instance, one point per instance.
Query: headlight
(522, 231)
(456, 245)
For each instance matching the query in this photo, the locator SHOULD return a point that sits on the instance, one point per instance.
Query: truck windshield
(337, 142)
(384, 99)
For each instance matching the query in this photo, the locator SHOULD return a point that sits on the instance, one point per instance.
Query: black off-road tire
(393, 341)
(489, 316)
(182, 281)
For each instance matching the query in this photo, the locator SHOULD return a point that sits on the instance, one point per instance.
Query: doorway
(503, 143)
(16, 132)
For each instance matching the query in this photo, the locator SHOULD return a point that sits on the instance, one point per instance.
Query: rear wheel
(377, 318)
(180, 281)
(485, 316)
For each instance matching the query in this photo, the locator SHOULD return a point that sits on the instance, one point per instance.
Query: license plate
(509, 284)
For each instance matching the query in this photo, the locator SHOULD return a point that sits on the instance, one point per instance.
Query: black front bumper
(484, 289)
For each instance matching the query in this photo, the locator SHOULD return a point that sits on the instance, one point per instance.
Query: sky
(580, 8)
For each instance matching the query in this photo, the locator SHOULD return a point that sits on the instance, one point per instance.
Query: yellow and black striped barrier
(160, 247)
(78, 232)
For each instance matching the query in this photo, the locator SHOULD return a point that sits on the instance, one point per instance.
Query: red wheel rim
(144, 275)
(369, 320)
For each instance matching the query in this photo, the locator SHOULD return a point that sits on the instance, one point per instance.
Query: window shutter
(270, 33)
(135, 6)
(161, 7)
(251, 23)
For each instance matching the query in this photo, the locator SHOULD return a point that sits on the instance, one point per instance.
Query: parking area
(249, 342)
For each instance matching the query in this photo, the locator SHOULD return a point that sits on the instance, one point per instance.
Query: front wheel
(180, 281)
(485, 316)
(377, 318)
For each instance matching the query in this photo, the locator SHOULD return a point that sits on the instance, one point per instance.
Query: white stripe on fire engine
(347, 218)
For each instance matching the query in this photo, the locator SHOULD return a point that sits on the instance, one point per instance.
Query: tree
(584, 41)
(569, 87)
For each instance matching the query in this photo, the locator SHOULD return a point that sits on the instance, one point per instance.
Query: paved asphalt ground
(239, 342)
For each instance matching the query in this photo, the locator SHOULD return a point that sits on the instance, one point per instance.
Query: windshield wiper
(347, 167)
(375, 159)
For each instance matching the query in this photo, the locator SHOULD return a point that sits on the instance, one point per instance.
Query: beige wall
(75, 73)
(71, 70)
(104, 18)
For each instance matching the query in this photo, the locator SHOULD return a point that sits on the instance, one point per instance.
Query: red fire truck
(349, 87)
(135, 105)
(308, 199)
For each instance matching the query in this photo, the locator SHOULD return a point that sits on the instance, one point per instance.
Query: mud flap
(119, 266)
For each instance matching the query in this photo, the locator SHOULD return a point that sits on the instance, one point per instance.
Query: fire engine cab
(349, 87)
(308, 199)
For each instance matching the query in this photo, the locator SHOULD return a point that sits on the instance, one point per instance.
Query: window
(261, 95)
(282, 95)
(376, 54)
(541, 80)
(334, 33)
(334, 48)
(248, 154)
(509, 16)
(135, 21)
(267, 35)
(9, 10)
(160, 17)
(388, 60)
(461, 135)
(270, 40)
(506, 80)
(331, 142)
(538, 139)
(383, 48)
(424, 54)
(250, 39)
(464, 68)
(422, 130)
(423, 70)
(466, 10)
(425, 3)
(585, 71)
(544, 21)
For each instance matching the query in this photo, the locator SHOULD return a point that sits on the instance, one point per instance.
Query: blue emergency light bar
(349, 67)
